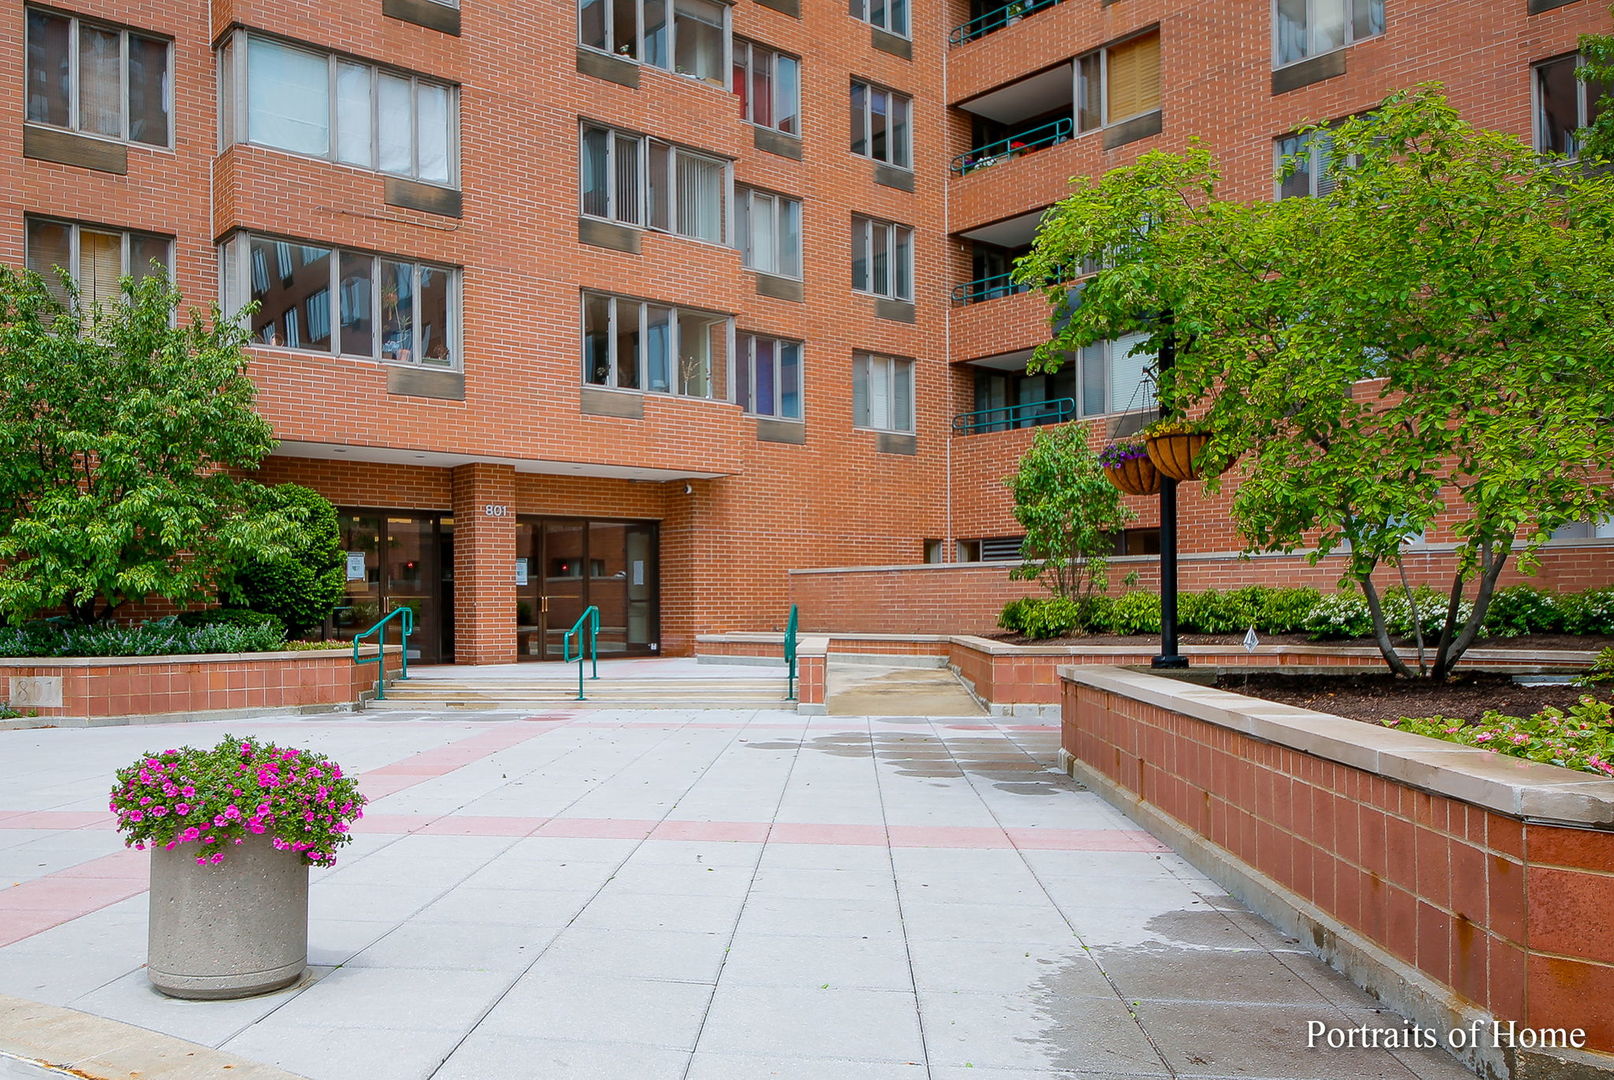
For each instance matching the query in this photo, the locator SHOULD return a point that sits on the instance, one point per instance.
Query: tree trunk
(1381, 634)
(1490, 570)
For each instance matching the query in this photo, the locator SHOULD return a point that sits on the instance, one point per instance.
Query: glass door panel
(414, 581)
(529, 590)
(608, 583)
(564, 591)
(643, 579)
(361, 607)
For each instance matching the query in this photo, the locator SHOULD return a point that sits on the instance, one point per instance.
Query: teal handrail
(406, 626)
(996, 19)
(790, 652)
(988, 288)
(586, 628)
(1026, 414)
(1014, 146)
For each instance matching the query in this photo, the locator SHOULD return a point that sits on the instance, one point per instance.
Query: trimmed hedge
(159, 637)
(1518, 609)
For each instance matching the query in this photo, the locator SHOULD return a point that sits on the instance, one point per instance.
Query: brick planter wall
(1489, 876)
(162, 685)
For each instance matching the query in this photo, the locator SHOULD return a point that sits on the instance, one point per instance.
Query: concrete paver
(697, 895)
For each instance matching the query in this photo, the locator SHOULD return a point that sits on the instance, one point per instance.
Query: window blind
(1134, 77)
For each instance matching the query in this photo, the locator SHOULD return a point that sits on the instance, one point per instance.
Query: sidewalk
(695, 896)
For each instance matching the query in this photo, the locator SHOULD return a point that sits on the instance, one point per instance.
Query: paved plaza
(694, 895)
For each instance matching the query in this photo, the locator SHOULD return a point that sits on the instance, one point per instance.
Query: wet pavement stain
(931, 759)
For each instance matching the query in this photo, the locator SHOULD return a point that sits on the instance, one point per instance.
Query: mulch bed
(1378, 696)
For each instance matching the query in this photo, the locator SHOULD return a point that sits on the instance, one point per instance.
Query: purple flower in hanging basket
(1119, 453)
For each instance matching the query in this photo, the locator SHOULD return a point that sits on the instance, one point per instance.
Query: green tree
(302, 586)
(120, 431)
(1597, 139)
(1430, 342)
(1071, 515)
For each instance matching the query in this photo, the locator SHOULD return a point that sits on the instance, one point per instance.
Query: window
(1112, 378)
(882, 393)
(694, 43)
(645, 182)
(323, 106)
(1564, 105)
(1305, 28)
(767, 376)
(768, 232)
(1600, 529)
(639, 345)
(95, 257)
(882, 258)
(341, 302)
(880, 128)
(1118, 82)
(769, 86)
(98, 80)
(1313, 152)
(889, 15)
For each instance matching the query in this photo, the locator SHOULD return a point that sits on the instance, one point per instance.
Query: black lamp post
(1169, 656)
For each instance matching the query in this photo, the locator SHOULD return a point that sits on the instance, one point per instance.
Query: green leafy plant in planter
(215, 799)
(1580, 738)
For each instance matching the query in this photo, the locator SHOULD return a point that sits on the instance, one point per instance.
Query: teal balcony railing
(1005, 417)
(405, 618)
(1027, 142)
(996, 19)
(987, 288)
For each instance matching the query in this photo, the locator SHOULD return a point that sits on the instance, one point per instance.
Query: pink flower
(182, 809)
(188, 791)
(136, 815)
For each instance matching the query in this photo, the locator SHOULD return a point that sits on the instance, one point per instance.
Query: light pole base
(1172, 660)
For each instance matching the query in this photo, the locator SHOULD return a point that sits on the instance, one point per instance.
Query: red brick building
(606, 301)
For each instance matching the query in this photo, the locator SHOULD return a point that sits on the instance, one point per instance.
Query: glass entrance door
(564, 565)
(400, 559)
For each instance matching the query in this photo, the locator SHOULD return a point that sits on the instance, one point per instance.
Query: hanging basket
(1174, 454)
(1136, 476)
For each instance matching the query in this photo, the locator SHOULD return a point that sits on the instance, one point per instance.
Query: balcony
(1004, 150)
(987, 288)
(1008, 417)
(993, 21)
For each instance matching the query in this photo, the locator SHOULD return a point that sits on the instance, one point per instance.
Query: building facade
(645, 303)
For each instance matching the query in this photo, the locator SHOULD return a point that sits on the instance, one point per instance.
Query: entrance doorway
(564, 565)
(400, 558)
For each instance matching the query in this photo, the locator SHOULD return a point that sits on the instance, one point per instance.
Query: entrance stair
(622, 684)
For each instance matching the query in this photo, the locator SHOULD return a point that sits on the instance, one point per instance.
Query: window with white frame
(1118, 82)
(344, 303)
(659, 348)
(882, 258)
(641, 181)
(767, 376)
(882, 393)
(880, 125)
(310, 102)
(1564, 105)
(1601, 528)
(1116, 376)
(768, 232)
(99, 80)
(1305, 28)
(1303, 164)
(768, 83)
(95, 257)
(889, 15)
(690, 37)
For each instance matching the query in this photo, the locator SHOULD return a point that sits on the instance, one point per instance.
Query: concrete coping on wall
(189, 658)
(1527, 790)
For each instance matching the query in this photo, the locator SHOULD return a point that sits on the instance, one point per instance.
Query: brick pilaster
(484, 564)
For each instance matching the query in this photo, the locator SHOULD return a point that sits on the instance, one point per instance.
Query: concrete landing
(869, 690)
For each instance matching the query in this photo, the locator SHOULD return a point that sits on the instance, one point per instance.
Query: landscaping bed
(1375, 697)
(1522, 643)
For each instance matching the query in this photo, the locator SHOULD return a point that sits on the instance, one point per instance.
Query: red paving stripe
(738, 831)
(467, 825)
(377, 784)
(58, 820)
(1085, 840)
(50, 901)
(596, 828)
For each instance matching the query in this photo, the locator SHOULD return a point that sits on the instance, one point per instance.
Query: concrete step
(674, 693)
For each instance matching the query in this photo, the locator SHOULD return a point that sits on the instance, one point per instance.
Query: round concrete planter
(231, 930)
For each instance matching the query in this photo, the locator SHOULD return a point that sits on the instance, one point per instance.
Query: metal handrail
(988, 288)
(996, 19)
(1026, 414)
(406, 626)
(1014, 146)
(790, 653)
(589, 623)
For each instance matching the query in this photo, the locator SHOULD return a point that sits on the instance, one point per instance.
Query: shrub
(1070, 513)
(1046, 617)
(1013, 615)
(1134, 613)
(229, 617)
(1582, 738)
(160, 637)
(1589, 612)
(1208, 612)
(1340, 615)
(1601, 671)
(300, 588)
(1523, 609)
(217, 798)
(1285, 611)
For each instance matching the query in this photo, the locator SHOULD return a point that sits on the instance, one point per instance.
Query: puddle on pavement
(927, 758)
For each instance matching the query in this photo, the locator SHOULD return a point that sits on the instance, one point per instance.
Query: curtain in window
(765, 377)
(745, 346)
(790, 380)
(595, 172)
(354, 130)
(395, 121)
(901, 395)
(761, 251)
(902, 264)
(148, 90)
(1367, 18)
(1134, 77)
(860, 254)
(787, 93)
(100, 264)
(49, 68)
(100, 81)
(145, 250)
(288, 98)
(789, 238)
(659, 172)
(1089, 93)
(1131, 375)
(50, 245)
(700, 198)
(1293, 43)
(880, 247)
(879, 106)
(436, 131)
(1330, 22)
(860, 119)
(879, 392)
(899, 131)
(862, 377)
(627, 206)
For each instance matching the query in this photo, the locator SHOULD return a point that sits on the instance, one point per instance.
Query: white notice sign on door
(521, 571)
(355, 566)
(638, 571)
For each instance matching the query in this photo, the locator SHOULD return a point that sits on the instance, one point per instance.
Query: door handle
(543, 605)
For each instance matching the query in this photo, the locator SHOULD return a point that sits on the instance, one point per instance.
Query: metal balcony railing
(1027, 142)
(1005, 417)
(996, 19)
(987, 288)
